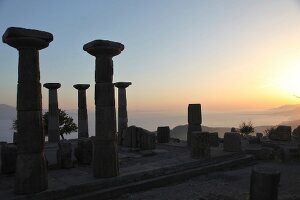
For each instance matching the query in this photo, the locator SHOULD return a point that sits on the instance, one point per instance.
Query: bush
(246, 129)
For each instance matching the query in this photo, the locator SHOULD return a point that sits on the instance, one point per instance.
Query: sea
(151, 120)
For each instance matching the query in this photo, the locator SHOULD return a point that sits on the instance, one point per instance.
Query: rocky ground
(225, 185)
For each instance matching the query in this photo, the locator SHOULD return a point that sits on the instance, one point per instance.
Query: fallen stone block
(64, 154)
(8, 158)
(232, 142)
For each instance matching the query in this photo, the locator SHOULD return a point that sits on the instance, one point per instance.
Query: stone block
(200, 145)
(64, 154)
(194, 114)
(32, 172)
(84, 151)
(259, 135)
(281, 133)
(214, 140)
(233, 129)
(136, 137)
(192, 128)
(127, 141)
(8, 158)
(163, 134)
(147, 139)
(232, 142)
(265, 153)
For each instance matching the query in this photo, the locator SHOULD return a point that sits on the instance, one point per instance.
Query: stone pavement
(225, 185)
(168, 163)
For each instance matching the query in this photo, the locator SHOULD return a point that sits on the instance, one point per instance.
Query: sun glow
(289, 80)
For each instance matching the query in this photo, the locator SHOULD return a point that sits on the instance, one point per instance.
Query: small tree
(66, 124)
(246, 129)
(270, 131)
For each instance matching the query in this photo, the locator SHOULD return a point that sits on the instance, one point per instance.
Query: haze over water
(151, 120)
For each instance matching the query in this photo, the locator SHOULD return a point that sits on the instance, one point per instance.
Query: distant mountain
(7, 112)
(293, 123)
(293, 109)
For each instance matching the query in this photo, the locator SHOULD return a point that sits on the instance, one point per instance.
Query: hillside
(7, 112)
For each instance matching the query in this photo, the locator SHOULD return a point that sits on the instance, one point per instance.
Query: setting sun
(289, 80)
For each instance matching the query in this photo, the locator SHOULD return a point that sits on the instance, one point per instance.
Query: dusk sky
(228, 55)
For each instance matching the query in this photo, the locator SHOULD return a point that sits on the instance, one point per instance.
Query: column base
(31, 173)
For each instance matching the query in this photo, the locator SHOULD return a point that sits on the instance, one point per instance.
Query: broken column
(214, 139)
(8, 158)
(53, 119)
(31, 171)
(64, 154)
(194, 120)
(83, 129)
(264, 183)
(232, 142)
(163, 134)
(122, 108)
(200, 145)
(105, 153)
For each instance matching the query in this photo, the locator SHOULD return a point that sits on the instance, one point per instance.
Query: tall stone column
(53, 115)
(194, 120)
(83, 129)
(105, 152)
(122, 108)
(31, 170)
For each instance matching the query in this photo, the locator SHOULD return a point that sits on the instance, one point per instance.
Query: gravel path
(226, 185)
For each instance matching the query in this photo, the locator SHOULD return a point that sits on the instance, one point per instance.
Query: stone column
(53, 115)
(31, 170)
(200, 145)
(122, 108)
(194, 120)
(83, 129)
(105, 152)
(264, 183)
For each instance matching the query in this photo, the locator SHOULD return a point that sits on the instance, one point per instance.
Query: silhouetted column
(83, 129)
(105, 153)
(31, 170)
(194, 120)
(53, 115)
(122, 107)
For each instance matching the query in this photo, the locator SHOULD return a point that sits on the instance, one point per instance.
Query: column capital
(22, 38)
(52, 85)
(81, 86)
(103, 48)
(122, 84)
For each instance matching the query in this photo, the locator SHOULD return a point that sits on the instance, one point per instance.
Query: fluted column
(53, 115)
(105, 152)
(31, 171)
(83, 129)
(122, 106)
